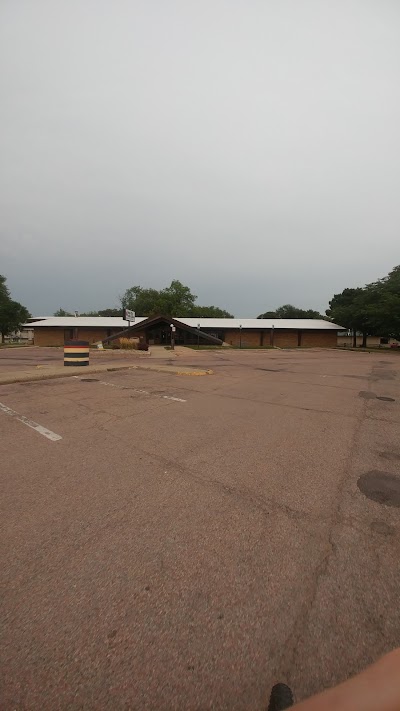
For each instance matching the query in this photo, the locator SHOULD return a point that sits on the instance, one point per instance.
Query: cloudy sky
(249, 148)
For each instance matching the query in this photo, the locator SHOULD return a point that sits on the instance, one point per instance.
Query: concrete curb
(69, 372)
(173, 369)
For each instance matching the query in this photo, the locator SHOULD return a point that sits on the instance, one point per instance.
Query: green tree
(290, 311)
(145, 302)
(177, 299)
(350, 310)
(4, 290)
(110, 312)
(174, 300)
(62, 312)
(12, 314)
(383, 305)
(102, 312)
(210, 312)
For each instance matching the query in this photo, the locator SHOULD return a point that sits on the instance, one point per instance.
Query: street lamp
(198, 335)
(240, 336)
(173, 329)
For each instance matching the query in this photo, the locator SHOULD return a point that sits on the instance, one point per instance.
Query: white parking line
(30, 423)
(135, 390)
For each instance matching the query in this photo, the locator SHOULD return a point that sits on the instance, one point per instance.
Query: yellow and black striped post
(76, 353)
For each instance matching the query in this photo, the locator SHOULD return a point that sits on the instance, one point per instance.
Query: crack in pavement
(300, 623)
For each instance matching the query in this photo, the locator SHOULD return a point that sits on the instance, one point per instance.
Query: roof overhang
(155, 321)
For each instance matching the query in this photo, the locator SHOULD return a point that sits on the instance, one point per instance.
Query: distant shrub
(142, 346)
(129, 343)
(115, 346)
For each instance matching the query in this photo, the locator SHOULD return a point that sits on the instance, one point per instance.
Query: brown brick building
(245, 333)
(54, 331)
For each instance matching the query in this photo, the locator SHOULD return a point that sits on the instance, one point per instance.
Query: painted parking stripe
(30, 423)
(136, 390)
(141, 392)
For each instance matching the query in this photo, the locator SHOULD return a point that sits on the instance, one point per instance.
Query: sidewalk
(44, 372)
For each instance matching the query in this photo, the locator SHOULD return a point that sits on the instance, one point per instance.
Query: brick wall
(319, 339)
(55, 336)
(94, 335)
(48, 336)
(285, 339)
(249, 338)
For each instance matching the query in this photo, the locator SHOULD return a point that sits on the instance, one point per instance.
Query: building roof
(261, 323)
(83, 321)
(214, 323)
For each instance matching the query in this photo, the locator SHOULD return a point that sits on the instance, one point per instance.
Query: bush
(129, 343)
(115, 346)
(142, 346)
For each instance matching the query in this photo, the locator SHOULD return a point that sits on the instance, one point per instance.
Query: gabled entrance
(156, 330)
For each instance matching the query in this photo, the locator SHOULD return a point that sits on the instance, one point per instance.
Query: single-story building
(246, 332)
(55, 330)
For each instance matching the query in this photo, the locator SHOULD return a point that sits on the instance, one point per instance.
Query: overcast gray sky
(249, 148)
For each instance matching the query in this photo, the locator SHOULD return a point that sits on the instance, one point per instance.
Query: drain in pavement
(386, 399)
(383, 528)
(382, 487)
(89, 380)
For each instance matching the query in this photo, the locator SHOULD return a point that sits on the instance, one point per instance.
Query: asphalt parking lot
(181, 542)
(11, 358)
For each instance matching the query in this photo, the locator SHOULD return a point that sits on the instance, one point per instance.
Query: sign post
(129, 316)
(173, 329)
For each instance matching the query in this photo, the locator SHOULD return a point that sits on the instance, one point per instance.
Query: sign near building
(129, 316)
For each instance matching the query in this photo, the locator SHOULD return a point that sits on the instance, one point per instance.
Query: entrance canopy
(157, 330)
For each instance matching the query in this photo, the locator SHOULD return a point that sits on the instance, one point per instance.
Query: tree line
(174, 300)
(290, 311)
(12, 314)
(372, 310)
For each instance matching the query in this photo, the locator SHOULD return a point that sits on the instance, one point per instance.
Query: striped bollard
(76, 353)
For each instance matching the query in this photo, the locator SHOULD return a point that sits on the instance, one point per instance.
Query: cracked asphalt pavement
(188, 542)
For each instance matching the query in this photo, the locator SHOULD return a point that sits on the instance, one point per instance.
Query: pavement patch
(382, 487)
(30, 423)
(195, 372)
(31, 373)
(391, 454)
(134, 390)
(383, 528)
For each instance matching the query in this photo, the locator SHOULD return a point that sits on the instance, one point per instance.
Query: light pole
(198, 335)
(272, 335)
(240, 336)
(173, 329)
